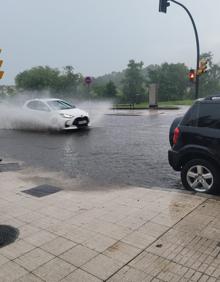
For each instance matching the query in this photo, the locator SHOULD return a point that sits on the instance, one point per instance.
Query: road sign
(88, 80)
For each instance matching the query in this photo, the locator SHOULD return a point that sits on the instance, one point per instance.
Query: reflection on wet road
(120, 149)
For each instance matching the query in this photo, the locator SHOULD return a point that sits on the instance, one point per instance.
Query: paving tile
(80, 276)
(78, 255)
(29, 278)
(133, 222)
(58, 246)
(118, 232)
(3, 260)
(30, 217)
(122, 252)
(149, 263)
(138, 239)
(166, 219)
(99, 242)
(40, 238)
(56, 213)
(10, 271)
(45, 222)
(54, 270)
(79, 235)
(102, 267)
(153, 229)
(27, 230)
(34, 259)
(130, 274)
(16, 249)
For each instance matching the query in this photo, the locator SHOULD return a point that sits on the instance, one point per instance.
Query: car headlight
(66, 116)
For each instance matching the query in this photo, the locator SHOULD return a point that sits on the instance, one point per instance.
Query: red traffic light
(192, 75)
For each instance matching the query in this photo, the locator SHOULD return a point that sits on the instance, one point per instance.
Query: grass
(167, 104)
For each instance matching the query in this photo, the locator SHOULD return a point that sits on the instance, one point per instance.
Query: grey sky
(100, 36)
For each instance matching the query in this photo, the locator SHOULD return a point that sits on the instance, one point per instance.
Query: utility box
(153, 96)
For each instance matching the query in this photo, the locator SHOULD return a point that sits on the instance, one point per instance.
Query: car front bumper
(76, 123)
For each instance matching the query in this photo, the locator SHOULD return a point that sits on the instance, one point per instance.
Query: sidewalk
(131, 234)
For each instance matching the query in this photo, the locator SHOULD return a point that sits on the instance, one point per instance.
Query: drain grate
(9, 167)
(8, 235)
(42, 190)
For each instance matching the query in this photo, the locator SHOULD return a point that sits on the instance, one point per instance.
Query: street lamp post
(163, 8)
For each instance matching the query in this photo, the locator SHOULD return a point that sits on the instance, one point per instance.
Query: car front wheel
(200, 176)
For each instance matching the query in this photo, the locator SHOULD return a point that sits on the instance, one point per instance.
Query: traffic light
(1, 72)
(203, 66)
(192, 75)
(163, 5)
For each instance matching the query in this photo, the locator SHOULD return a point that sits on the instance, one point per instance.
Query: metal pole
(197, 47)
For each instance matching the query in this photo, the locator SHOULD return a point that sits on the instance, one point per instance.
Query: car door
(39, 113)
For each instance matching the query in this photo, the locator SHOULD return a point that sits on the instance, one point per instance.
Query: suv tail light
(176, 135)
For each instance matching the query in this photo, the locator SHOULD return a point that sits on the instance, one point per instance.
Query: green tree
(110, 90)
(46, 78)
(68, 81)
(172, 80)
(209, 81)
(37, 78)
(133, 83)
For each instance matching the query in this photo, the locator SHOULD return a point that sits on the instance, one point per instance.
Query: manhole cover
(42, 190)
(8, 235)
(9, 167)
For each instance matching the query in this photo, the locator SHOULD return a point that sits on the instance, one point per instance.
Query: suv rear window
(190, 118)
(203, 114)
(209, 115)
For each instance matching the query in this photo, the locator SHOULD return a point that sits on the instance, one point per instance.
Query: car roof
(44, 99)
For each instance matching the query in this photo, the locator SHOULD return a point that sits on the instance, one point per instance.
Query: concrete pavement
(119, 234)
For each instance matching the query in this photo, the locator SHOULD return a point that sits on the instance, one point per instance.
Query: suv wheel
(200, 176)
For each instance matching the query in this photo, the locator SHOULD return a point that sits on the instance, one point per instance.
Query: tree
(37, 78)
(46, 78)
(133, 83)
(209, 81)
(68, 81)
(172, 80)
(110, 90)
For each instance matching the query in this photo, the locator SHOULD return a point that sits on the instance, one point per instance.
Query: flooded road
(120, 148)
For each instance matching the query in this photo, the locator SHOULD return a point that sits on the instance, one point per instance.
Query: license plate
(82, 122)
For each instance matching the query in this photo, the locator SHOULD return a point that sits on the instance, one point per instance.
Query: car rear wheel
(200, 176)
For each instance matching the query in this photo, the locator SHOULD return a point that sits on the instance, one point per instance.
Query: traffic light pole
(197, 46)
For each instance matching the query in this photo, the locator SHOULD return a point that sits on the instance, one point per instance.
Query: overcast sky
(100, 36)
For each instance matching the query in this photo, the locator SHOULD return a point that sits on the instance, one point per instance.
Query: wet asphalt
(120, 148)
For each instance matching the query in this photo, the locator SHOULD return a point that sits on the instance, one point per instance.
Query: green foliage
(133, 83)
(128, 86)
(38, 78)
(46, 78)
(110, 90)
(210, 81)
(172, 80)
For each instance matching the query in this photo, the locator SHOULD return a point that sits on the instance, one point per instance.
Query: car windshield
(60, 105)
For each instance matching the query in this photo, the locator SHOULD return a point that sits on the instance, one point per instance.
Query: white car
(56, 114)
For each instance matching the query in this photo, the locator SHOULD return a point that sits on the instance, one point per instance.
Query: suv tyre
(200, 176)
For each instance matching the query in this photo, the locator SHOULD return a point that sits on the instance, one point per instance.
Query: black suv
(195, 142)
